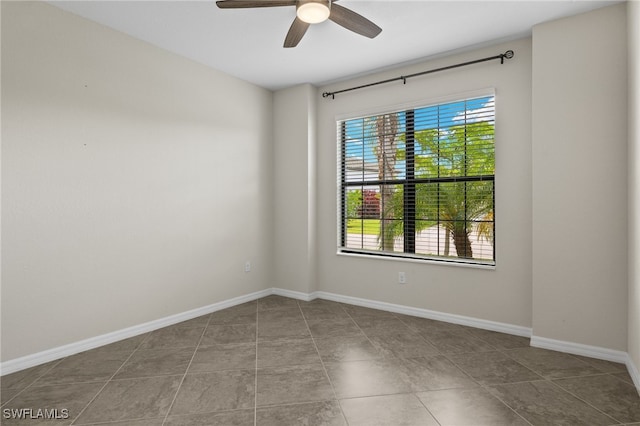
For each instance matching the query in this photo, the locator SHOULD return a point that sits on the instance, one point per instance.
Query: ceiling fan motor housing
(313, 11)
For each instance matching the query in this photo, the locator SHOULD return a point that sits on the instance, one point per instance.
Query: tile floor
(278, 361)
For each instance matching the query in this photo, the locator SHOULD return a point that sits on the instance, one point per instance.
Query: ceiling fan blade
(353, 21)
(242, 4)
(296, 32)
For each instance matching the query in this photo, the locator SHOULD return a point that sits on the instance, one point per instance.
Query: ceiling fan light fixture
(310, 12)
(313, 11)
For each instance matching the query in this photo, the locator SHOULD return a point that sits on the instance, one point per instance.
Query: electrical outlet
(402, 278)
(247, 266)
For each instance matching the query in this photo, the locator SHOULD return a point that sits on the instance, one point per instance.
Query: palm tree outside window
(420, 182)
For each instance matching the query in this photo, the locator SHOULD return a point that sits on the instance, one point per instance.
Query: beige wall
(132, 180)
(294, 189)
(503, 294)
(135, 183)
(580, 179)
(633, 27)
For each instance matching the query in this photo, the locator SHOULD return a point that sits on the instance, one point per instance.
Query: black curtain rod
(506, 55)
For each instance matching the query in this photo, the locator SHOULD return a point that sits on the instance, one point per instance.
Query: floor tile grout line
(293, 404)
(384, 356)
(342, 411)
(4, 404)
(427, 408)
(111, 422)
(620, 378)
(73, 422)
(485, 387)
(583, 400)
(578, 357)
(546, 377)
(514, 360)
(410, 392)
(493, 347)
(446, 356)
(464, 331)
(507, 351)
(578, 377)
(417, 331)
(462, 370)
(30, 385)
(173, 401)
(554, 384)
(324, 368)
(422, 337)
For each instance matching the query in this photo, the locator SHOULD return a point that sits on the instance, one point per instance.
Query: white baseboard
(426, 313)
(32, 360)
(633, 372)
(591, 352)
(53, 354)
(306, 297)
(579, 349)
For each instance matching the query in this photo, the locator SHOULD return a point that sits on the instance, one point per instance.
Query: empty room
(320, 212)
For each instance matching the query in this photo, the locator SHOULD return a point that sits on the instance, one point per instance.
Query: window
(419, 183)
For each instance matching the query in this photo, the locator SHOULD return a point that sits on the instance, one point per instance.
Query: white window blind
(420, 182)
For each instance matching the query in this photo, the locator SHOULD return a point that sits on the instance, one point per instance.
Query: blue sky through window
(361, 137)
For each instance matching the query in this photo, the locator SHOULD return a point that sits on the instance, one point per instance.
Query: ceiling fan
(311, 12)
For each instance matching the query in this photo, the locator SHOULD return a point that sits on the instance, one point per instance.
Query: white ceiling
(247, 43)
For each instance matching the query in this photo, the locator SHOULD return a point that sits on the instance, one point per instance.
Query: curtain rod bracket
(506, 55)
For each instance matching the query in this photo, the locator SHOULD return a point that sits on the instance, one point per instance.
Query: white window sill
(418, 260)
